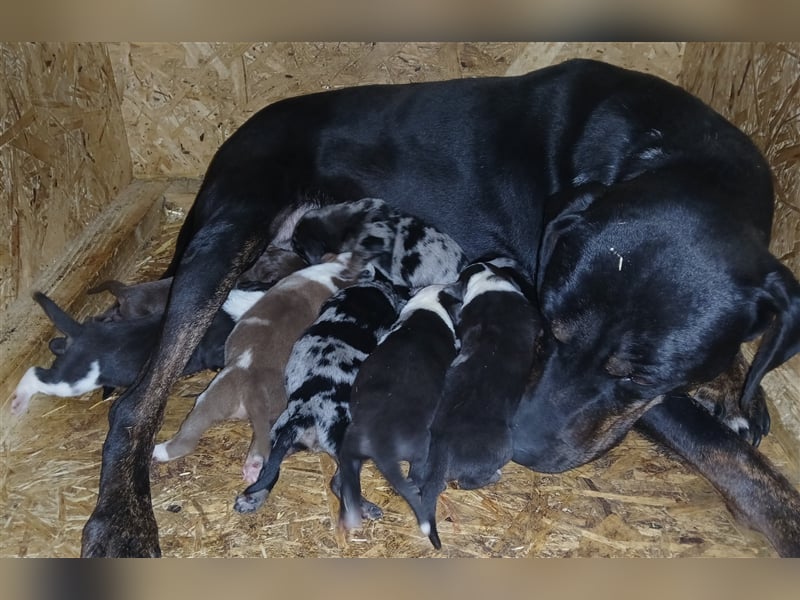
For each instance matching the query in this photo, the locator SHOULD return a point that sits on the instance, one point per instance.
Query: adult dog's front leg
(123, 523)
(752, 487)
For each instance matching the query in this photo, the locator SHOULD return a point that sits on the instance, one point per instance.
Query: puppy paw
(370, 511)
(160, 452)
(247, 503)
(252, 468)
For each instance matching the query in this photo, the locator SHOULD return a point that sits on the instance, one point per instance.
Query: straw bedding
(636, 501)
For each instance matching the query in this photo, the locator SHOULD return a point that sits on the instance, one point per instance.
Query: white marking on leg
(738, 424)
(160, 452)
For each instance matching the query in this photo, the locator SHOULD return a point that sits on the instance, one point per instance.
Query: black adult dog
(654, 265)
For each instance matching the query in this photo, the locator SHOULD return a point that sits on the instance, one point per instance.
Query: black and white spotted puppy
(405, 248)
(319, 377)
(394, 399)
(109, 354)
(471, 431)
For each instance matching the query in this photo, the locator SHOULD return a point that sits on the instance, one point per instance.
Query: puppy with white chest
(251, 386)
(319, 376)
(394, 399)
(471, 430)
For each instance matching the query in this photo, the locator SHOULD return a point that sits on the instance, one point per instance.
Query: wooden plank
(105, 250)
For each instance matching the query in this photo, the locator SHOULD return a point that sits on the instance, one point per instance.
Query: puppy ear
(58, 345)
(450, 298)
(565, 212)
(780, 295)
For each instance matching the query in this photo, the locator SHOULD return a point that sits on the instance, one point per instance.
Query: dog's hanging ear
(565, 211)
(780, 296)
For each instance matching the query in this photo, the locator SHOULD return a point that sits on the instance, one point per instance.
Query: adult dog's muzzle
(566, 418)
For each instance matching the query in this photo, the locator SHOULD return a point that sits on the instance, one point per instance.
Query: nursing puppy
(319, 376)
(110, 354)
(471, 433)
(251, 386)
(108, 351)
(406, 249)
(394, 399)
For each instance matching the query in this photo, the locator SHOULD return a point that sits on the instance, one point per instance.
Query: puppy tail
(407, 489)
(427, 524)
(269, 472)
(63, 322)
(350, 493)
(432, 486)
(255, 495)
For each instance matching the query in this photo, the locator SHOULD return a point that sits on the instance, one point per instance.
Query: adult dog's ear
(780, 296)
(565, 210)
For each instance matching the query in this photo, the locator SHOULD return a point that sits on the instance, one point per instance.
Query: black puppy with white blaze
(470, 437)
(394, 399)
(319, 376)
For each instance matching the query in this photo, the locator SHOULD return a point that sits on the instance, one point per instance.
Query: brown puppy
(251, 386)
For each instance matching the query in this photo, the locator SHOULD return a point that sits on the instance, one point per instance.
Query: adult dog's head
(646, 287)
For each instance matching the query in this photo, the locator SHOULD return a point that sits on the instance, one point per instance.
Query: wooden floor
(636, 501)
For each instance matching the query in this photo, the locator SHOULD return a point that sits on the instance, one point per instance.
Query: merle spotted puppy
(471, 430)
(405, 248)
(319, 376)
(394, 399)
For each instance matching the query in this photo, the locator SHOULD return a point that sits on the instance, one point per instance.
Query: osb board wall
(757, 87)
(63, 153)
(181, 101)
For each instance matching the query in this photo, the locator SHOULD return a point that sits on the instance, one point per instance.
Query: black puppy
(394, 399)
(470, 438)
(319, 376)
(110, 353)
(674, 250)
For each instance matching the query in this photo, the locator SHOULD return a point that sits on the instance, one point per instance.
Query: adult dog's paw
(121, 530)
(722, 397)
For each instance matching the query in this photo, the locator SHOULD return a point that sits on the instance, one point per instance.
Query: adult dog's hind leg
(123, 523)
